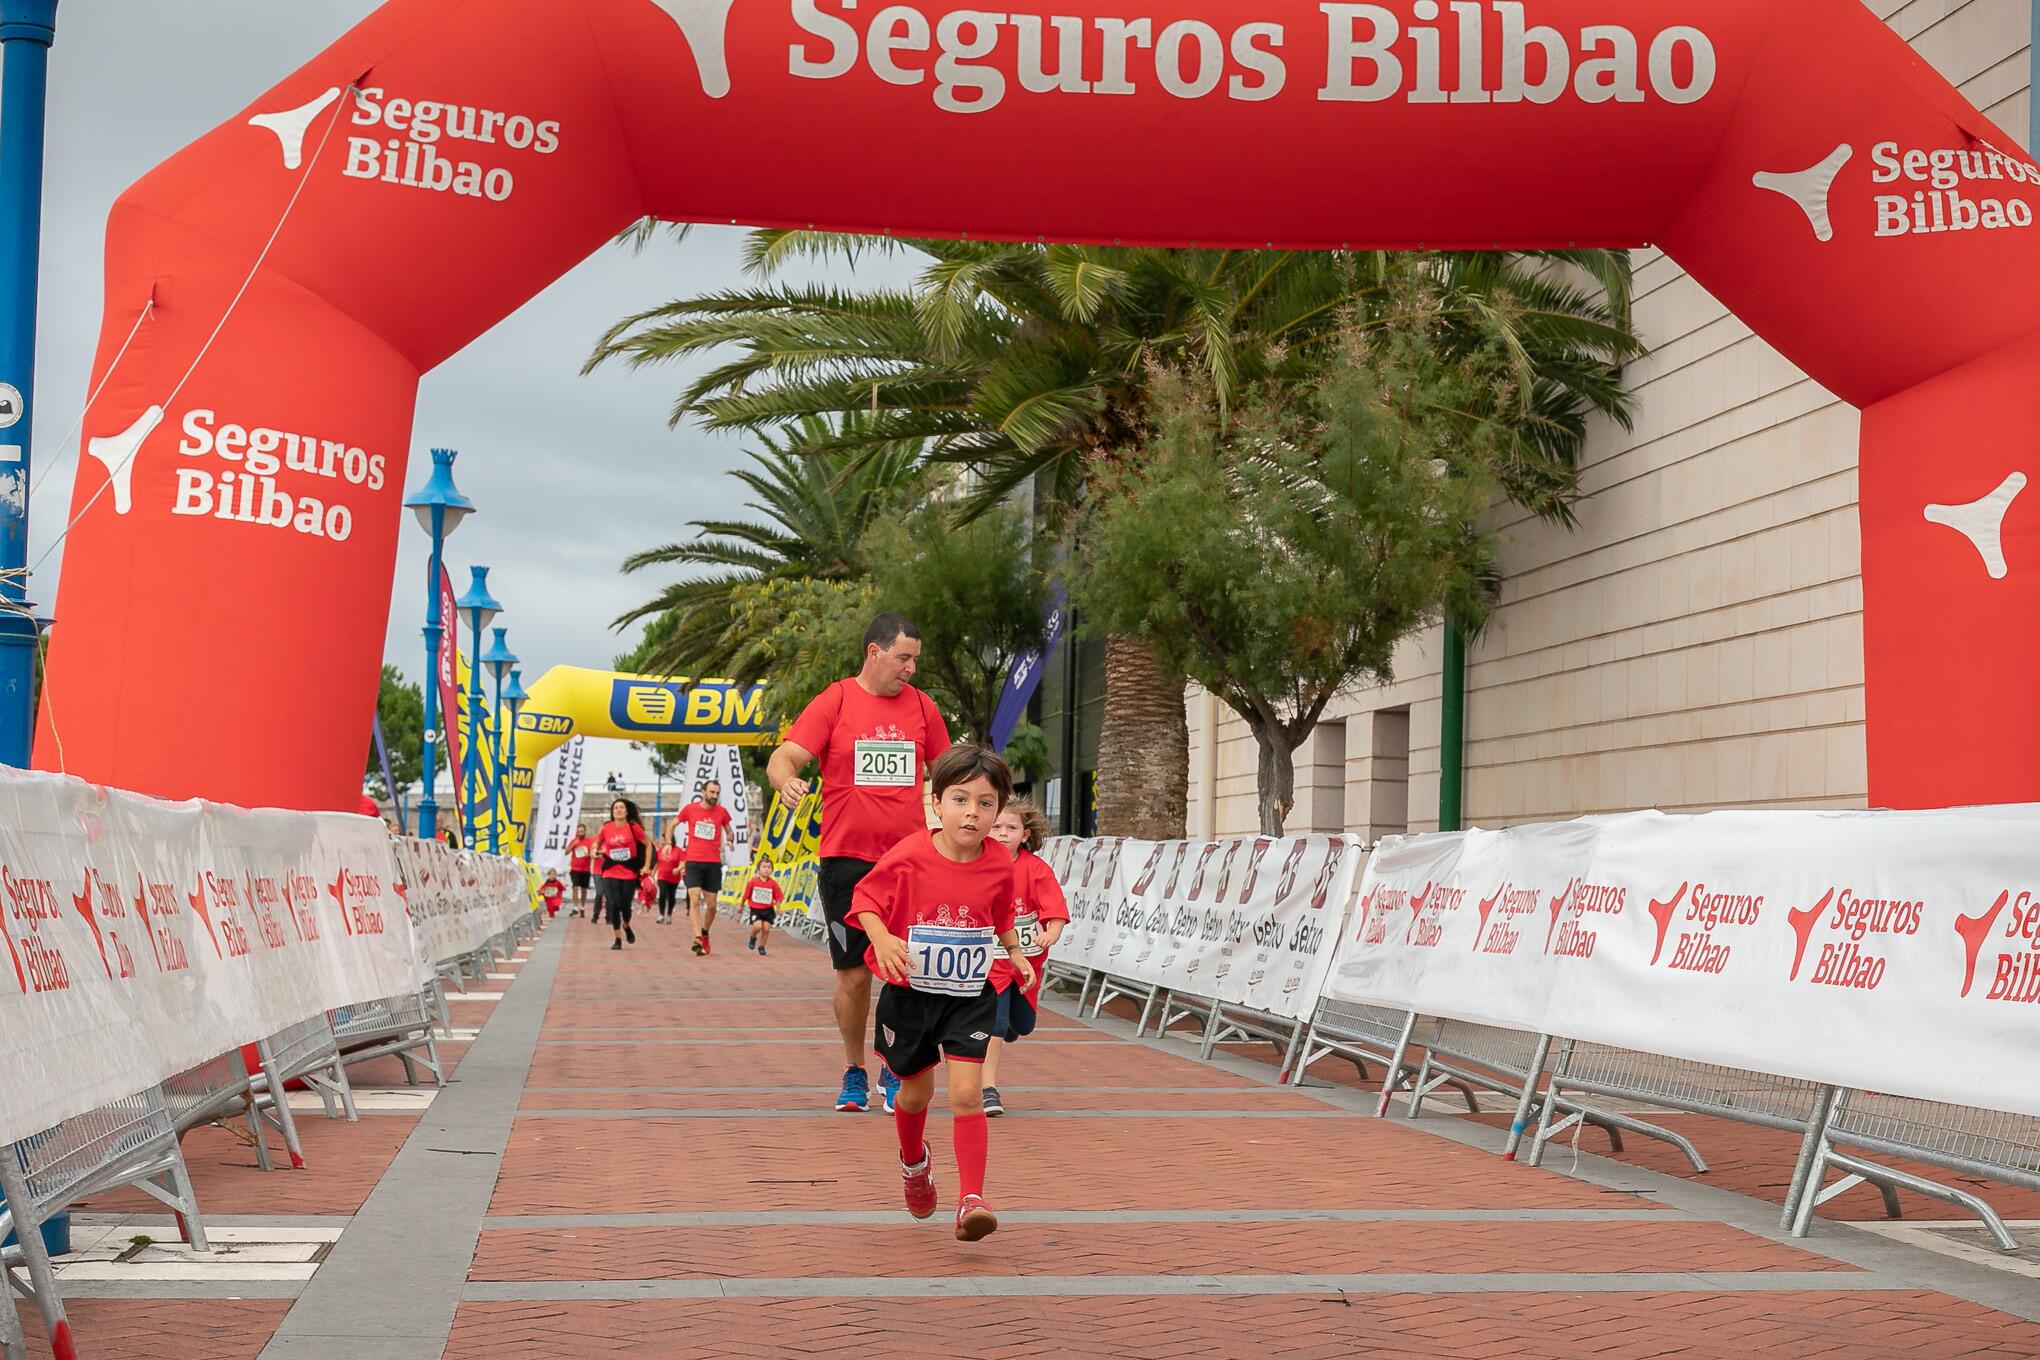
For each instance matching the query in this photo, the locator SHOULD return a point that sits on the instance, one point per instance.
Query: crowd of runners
(930, 882)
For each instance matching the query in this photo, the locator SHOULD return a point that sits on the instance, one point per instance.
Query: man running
(874, 736)
(580, 867)
(708, 826)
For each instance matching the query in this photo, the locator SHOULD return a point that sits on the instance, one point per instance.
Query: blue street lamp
(27, 27)
(478, 608)
(499, 659)
(514, 699)
(440, 508)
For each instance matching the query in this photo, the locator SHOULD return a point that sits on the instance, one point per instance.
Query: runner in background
(672, 853)
(762, 896)
(874, 736)
(932, 908)
(580, 854)
(624, 852)
(552, 892)
(707, 823)
(1039, 913)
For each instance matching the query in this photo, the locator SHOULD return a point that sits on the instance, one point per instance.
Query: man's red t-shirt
(706, 826)
(763, 891)
(619, 839)
(578, 851)
(1037, 900)
(965, 907)
(874, 755)
(670, 860)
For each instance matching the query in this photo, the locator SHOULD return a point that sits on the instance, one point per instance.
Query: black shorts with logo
(707, 877)
(766, 914)
(916, 1030)
(581, 877)
(838, 879)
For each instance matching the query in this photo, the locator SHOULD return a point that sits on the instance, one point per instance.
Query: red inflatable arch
(448, 158)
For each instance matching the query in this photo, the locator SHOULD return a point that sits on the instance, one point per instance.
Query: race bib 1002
(884, 765)
(949, 960)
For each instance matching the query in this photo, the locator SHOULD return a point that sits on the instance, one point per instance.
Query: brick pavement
(671, 1184)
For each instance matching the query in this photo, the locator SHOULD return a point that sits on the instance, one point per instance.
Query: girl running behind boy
(933, 905)
(672, 855)
(1039, 913)
(762, 895)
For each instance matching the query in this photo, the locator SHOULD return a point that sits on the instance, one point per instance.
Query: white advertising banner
(1251, 921)
(725, 765)
(1889, 951)
(144, 937)
(556, 803)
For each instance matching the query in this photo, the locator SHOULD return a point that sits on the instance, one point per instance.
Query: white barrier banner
(724, 765)
(1251, 921)
(143, 938)
(1888, 951)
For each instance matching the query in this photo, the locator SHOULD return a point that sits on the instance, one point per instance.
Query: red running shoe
(704, 943)
(920, 1185)
(975, 1219)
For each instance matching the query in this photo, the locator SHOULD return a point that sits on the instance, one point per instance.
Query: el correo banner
(1887, 951)
(142, 938)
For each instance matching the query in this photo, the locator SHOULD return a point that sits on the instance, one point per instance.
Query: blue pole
(27, 27)
(498, 806)
(474, 758)
(428, 806)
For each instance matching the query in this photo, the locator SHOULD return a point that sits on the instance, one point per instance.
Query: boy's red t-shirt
(579, 851)
(552, 892)
(617, 837)
(671, 857)
(1037, 900)
(704, 839)
(763, 891)
(915, 884)
(874, 753)
(647, 891)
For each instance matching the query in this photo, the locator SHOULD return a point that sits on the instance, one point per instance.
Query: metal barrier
(129, 1142)
(1361, 1034)
(1732, 1093)
(1226, 1023)
(400, 1025)
(208, 1092)
(1987, 1143)
(307, 1052)
(1486, 1057)
(1111, 987)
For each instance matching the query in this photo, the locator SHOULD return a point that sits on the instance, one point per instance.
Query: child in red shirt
(552, 892)
(932, 907)
(762, 896)
(1039, 913)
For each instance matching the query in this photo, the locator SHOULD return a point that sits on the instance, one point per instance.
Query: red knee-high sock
(913, 1130)
(973, 1138)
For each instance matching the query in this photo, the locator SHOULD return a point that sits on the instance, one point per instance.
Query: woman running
(624, 852)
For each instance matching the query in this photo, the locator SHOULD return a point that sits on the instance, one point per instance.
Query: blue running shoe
(856, 1092)
(889, 1086)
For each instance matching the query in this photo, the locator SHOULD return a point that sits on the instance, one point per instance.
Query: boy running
(1039, 913)
(552, 892)
(932, 907)
(707, 823)
(580, 857)
(762, 896)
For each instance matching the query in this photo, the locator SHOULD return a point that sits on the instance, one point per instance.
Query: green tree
(400, 708)
(1035, 363)
(812, 512)
(1277, 553)
(978, 592)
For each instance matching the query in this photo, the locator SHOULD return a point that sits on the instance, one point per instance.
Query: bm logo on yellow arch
(665, 706)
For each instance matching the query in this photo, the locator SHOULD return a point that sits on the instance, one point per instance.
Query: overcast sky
(132, 82)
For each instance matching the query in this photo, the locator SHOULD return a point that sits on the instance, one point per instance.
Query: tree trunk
(1274, 779)
(1143, 749)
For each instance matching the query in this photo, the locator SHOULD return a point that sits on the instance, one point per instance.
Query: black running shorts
(916, 1030)
(765, 914)
(838, 877)
(707, 877)
(581, 877)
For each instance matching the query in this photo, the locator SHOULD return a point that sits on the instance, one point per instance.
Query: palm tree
(1033, 364)
(813, 509)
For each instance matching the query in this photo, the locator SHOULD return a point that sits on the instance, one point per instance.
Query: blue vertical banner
(1023, 677)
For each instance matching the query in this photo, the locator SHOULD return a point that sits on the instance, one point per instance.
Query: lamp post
(514, 699)
(439, 507)
(499, 659)
(478, 608)
(27, 27)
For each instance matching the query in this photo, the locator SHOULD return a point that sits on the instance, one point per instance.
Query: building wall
(1696, 641)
